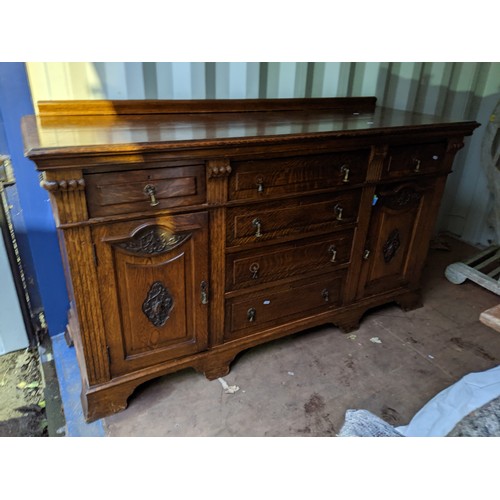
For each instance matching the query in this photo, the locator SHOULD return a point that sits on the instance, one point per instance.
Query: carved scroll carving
(391, 246)
(153, 240)
(158, 304)
(403, 198)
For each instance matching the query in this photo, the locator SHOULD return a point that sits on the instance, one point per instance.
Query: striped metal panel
(435, 87)
(460, 90)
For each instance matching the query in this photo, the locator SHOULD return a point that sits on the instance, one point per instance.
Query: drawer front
(113, 193)
(251, 313)
(295, 218)
(258, 179)
(315, 256)
(414, 159)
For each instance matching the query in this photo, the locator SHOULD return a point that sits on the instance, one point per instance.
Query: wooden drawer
(414, 159)
(314, 256)
(292, 219)
(258, 179)
(279, 305)
(146, 189)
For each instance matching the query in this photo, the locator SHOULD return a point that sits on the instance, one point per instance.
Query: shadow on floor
(302, 385)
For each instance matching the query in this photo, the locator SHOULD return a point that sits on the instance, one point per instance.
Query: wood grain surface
(191, 231)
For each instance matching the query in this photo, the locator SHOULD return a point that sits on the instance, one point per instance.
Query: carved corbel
(216, 171)
(455, 145)
(62, 185)
(67, 192)
(376, 162)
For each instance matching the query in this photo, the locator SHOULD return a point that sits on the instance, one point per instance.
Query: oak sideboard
(193, 230)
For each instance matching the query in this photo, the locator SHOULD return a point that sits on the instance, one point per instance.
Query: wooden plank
(470, 262)
(491, 318)
(495, 271)
(153, 106)
(486, 262)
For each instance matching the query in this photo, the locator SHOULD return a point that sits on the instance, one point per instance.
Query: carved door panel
(153, 277)
(400, 225)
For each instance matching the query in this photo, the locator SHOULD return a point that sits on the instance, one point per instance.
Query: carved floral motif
(391, 246)
(158, 304)
(153, 240)
(402, 199)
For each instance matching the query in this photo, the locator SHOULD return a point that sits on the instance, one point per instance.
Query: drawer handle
(344, 170)
(257, 224)
(251, 313)
(333, 250)
(254, 269)
(204, 292)
(260, 185)
(151, 192)
(366, 254)
(338, 212)
(416, 162)
(325, 294)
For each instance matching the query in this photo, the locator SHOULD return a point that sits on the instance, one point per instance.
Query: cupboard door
(153, 277)
(400, 226)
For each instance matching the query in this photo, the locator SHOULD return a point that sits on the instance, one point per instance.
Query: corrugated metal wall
(461, 90)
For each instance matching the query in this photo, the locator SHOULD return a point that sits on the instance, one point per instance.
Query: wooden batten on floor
(491, 318)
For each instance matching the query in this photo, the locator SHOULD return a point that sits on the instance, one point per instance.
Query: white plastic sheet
(446, 409)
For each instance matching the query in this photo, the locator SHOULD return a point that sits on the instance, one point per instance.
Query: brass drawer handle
(251, 313)
(416, 162)
(204, 292)
(260, 184)
(333, 250)
(338, 212)
(150, 190)
(344, 170)
(325, 294)
(254, 269)
(257, 224)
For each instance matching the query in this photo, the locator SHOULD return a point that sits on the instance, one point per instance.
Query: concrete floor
(302, 385)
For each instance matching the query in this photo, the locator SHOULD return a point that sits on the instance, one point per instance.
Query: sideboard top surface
(100, 127)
